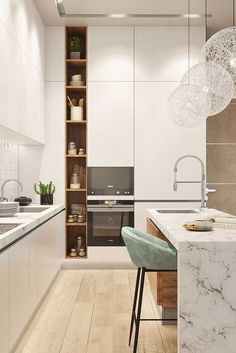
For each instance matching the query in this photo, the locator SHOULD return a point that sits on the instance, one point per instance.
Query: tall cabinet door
(110, 124)
(110, 96)
(159, 143)
(160, 62)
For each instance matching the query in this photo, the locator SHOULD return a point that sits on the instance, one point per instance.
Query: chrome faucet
(3, 198)
(202, 181)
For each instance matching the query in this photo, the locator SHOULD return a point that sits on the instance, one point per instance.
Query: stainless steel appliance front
(105, 220)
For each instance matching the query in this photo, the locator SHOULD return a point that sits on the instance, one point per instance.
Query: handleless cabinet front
(110, 124)
(4, 301)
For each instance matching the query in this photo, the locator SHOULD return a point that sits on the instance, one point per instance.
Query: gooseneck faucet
(3, 198)
(202, 181)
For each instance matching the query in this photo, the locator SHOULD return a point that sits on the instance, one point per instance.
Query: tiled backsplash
(9, 159)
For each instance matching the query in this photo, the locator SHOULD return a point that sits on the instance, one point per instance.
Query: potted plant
(75, 47)
(46, 192)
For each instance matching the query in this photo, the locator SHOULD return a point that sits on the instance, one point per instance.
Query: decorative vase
(46, 199)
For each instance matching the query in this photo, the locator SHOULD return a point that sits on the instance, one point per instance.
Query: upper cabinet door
(161, 53)
(110, 53)
(110, 124)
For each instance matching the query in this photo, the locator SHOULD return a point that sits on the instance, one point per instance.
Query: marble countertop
(26, 223)
(171, 225)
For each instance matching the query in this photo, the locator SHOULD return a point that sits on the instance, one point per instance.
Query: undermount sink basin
(26, 209)
(6, 227)
(176, 211)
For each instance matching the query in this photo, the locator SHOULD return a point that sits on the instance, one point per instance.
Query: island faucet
(3, 198)
(202, 181)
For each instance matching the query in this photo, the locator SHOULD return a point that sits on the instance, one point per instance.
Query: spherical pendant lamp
(215, 88)
(181, 107)
(221, 49)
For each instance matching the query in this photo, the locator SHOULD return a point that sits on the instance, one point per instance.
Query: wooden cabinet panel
(163, 285)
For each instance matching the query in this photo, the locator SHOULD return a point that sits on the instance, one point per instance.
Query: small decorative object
(215, 88)
(221, 49)
(46, 192)
(72, 150)
(75, 217)
(77, 81)
(70, 219)
(181, 108)
(23, 200)
(80, 218)
(79, 243)
(75, 47)
(73, 253)
(76, 111)
(74, 183)
(81, 151)
(82, 252)
(78, 209)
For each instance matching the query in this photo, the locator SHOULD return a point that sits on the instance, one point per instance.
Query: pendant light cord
(188, 34)
(233, 13)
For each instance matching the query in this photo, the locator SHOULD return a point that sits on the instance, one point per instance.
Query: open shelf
(76, 131)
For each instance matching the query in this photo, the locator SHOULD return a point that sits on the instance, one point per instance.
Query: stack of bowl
(77, 81)
(8, 209)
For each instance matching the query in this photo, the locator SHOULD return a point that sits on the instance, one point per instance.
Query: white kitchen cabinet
(4, 301)
(159, 142)
(33, 263)
(19, 288)
(110, 124)
(55, 53)
(110, 53)
(161, 53)
(22, 77)
(141, 210)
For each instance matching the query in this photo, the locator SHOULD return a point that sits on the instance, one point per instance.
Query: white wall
(47, 162)
(22, 69)
(9, 167)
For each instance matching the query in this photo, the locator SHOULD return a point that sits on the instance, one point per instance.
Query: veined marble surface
(206, 283)
(27, 222)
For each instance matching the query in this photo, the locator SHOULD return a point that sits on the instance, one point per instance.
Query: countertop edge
(27, 223)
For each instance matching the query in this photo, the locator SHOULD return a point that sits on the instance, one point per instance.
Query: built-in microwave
(111, 181)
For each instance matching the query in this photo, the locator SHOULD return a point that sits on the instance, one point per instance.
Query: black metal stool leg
(134, 304)
(140, 299)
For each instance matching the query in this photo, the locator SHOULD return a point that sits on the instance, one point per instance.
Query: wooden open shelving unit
(75, 131)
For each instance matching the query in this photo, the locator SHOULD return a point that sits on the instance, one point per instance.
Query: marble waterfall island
(206, 283)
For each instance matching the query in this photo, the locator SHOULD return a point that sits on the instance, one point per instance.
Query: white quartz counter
(206, 283)
(27, 222)
(171, 224)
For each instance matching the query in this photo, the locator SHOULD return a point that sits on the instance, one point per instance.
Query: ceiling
(220, 10)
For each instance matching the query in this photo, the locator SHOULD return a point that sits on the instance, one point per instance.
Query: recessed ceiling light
(118, 15)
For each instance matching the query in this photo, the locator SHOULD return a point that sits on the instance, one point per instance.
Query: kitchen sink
(6, 227)
(26, 209)
(176, 211)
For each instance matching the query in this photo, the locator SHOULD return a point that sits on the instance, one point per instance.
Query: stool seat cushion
(147, 251)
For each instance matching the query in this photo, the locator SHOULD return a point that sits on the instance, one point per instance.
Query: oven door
(105, 223)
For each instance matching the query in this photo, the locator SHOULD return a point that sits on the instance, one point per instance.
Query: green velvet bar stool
(149, 254)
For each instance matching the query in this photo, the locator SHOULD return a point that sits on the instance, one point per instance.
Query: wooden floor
(89, 312)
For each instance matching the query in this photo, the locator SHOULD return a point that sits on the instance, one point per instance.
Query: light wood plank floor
(88, 311)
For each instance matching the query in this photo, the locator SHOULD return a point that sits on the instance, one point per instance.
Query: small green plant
(75, 44)
(44, 189)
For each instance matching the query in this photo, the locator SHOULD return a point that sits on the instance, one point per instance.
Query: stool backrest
(148, 251)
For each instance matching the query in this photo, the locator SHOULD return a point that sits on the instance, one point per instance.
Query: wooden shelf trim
(76, 61)
(76, 156)
(76, 88)
(76, 190)
(84, 224)
(76, 122)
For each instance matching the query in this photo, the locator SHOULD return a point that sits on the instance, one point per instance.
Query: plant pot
(46, 199)
(75, 55)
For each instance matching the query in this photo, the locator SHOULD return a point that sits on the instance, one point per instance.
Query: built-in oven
(105, 220)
